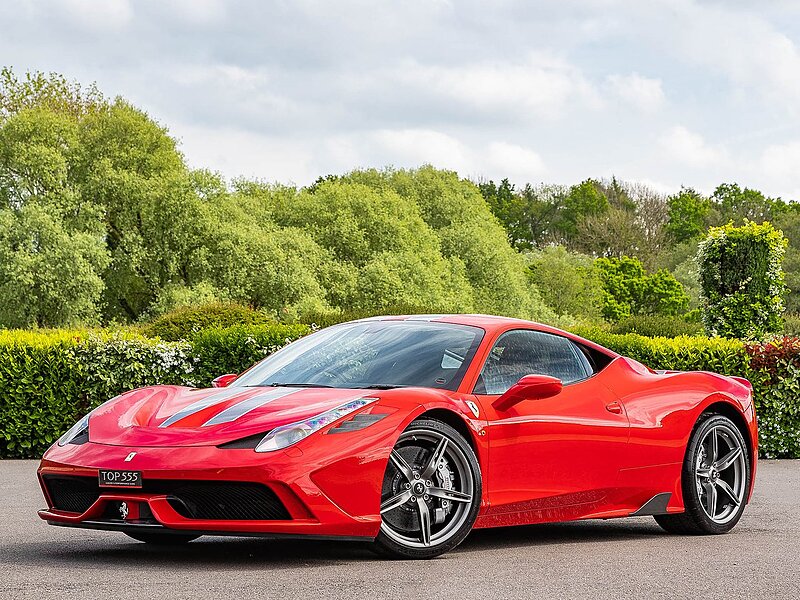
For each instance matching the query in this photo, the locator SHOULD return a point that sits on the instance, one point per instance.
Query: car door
(556, 457)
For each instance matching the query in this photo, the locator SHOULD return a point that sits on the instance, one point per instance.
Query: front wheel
(715, 480)
(431, 492)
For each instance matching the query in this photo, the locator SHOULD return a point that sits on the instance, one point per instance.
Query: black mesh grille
(72, 494)
(221, 501)
(211, 500)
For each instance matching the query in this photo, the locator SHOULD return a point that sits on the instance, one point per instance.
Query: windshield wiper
(299, 385)
(380, 386)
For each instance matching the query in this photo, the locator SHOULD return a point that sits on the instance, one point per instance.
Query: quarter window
(524, 352)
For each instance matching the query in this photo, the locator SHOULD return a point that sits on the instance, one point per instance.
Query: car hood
(180, 416)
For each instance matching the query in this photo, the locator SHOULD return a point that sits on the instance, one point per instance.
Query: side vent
(359, 421)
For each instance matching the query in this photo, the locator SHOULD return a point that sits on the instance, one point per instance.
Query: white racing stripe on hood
(217, 398)
(242, 408)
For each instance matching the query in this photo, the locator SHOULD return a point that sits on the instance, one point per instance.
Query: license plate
(128, 479)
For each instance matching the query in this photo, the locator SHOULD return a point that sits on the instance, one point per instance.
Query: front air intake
(206, 500)
(71, 494)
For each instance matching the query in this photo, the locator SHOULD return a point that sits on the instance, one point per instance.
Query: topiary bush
(742, 280)
(186, 322)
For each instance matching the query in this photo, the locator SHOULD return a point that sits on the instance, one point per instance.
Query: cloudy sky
(671, 93)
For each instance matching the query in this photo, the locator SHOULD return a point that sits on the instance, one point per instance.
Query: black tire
(162, 539)
(696, 520)
(459, 468)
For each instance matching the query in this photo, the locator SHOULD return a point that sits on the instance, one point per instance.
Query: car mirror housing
(529, 387)
(224, 380)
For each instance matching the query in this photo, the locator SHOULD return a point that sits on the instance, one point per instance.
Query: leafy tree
(50, 91)
(738, 205)
(689, 213)
(568, 281)
(788, 221)
(49, 277)
(619, 194)
(630, 290)
(468, 233)
(511, 208)
(583, 201)
(613, 233)
(742, 280)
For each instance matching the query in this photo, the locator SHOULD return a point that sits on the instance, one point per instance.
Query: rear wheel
(431, 492)
(162, 539)
(715, 480)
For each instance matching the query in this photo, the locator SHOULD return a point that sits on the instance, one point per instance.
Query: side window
(523, 352)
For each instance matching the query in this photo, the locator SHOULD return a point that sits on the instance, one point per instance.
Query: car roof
(492, 324)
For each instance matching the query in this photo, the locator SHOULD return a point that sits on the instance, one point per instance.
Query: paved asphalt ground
(629, 558)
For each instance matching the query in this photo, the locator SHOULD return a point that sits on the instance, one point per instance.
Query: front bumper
(328, 488)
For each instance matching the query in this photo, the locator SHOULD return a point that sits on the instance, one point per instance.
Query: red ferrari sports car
(408, 432)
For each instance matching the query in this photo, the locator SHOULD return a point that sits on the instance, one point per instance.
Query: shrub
(684, 353)
(742, 280)
(630, 290)
(657, 326)
(184, 323)
(776, 375)
(233, 349)
(49, 380)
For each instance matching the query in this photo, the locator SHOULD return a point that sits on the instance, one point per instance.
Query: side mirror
(530, 387)
(224, 380)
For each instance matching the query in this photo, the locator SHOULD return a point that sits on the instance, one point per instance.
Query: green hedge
(49, 380)
(683, 353)
(232, 350)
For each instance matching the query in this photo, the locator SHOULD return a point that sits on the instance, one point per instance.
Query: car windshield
(372, 354)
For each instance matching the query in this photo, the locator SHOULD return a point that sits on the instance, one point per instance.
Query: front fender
(353, 481)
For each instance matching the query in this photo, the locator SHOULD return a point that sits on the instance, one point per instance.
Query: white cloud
(689, 148)
(542, 86)
(643, 93)
(781, 160)
(550, 90)
(416, 146)
(196, 11)
(240, 153)
(96, 16)
(517, 162)
(733, 41)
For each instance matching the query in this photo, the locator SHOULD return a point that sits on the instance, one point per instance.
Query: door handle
(614, 407)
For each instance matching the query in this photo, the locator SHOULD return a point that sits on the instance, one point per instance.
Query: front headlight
(286, 435)
(74, 431)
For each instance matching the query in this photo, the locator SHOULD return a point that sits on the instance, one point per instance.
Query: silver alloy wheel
(427, 490)
(720, 474)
